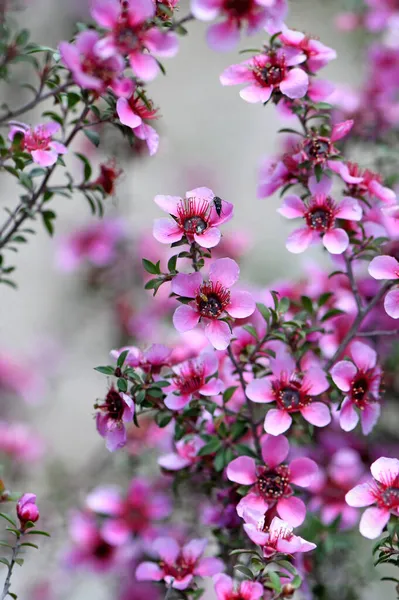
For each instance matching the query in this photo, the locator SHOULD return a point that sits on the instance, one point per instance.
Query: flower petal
(343, 373)
(292, 510)
(186, 285)
(166, 231)
(255, 93)
(126, 115)
(391, 303)
(218, 333)
(260, 390)
(223, 37)
(317, 414)
(277, 421)
(225, 271)
(292, 207)
(209, 239)
(295, 83)
(373, 522)
(207, 567)
(369, 417)
(384, 267)
(360, 495)
(385, 470)
(177, 402)
(303, 471)
(363, 356)
(169, 204)
(348, 417)
(242, 470)
(274, 449)
(149, 571)
(315, 381)
(241, 305)
(349, 209)
(299, 240)
(336, 241)
(185, 318)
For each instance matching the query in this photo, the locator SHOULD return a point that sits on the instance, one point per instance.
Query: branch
(352, 281)
(378, 332)
(7, 583)
(10, 115)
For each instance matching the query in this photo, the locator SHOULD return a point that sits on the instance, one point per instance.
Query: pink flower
(213, 300)
(131, 35)
(186, 454)
(368, 183)
(38, 142)
(194, 217)
(246, 590)
(279, 537)
(27, 509)
(271, 483)
(320, 213)
(360, 379)
(387, 267)
(317, 54)
(20, 443)
(178, 566)
(150, 361)
(90, 71)
(225, 36)
(383, 491)
(133, 113)
(273, 71)
(191, 379)
(118, 408)
(293, 392)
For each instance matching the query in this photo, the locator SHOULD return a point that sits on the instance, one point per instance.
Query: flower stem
(10, 115)
(7, 583)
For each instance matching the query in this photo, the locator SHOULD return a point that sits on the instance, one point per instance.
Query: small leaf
(274, 583)
(244, 570)
(227, 394)
(122, 358)
(150, 267)
(9, 519)
(38, 532)
(122, 385)
(93, 136)
(211, 447)
(48, 217)
(19, 561)
(264, 311)
(5, 562)
(105, 370)
(172, 263)
(30, 544)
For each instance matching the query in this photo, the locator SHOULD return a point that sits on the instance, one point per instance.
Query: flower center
(195, 225)
(114, 404)
(238, 8)
(193, 215)
(390, 497)
(273, 484)
(102, 550)
(359, 389)
(35, 141)
(212, 299)
(180, 569)
(320, 218)
(290, 397)
(190, 379)
(317, 148)
(125, 37)
(272, 72)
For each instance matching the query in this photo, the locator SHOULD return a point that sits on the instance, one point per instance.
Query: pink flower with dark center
(265, 74)
(279, 537)
(117, 409)
(194, 217)
(320, 213)
(133, 113)
(387, 267)
(271, 482)
(213, 300)
(360, 380)
(90, 71)
(151, 360)
(383, 491)
(27, 509)
(132, 35)
(292, 391)
(369, 184)
(192, 380)
(317, 54)
(225, 36)
(246, 590)
(39, 143)
(186, 454)
(319, 149)
(177, 566)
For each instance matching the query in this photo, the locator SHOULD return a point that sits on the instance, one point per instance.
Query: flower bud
(27, 509)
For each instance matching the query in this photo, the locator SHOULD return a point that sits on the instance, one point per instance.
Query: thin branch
(352, 281)
(377, 332)
(186, 19)
(7, 583)
(12, 114)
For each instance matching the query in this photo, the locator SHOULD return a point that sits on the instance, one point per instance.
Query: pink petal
(299, 240)
(194, 549)
(255, 93)
(44, 158)
(207, 567)
(149, 571)
(251, 505)
(169, 204)
(342, 374)
(303, 471)
(106, 500)
(256, 536)
(251, 590)
(322, 187)
(336, 241)
(177, 402)
(58, 147)
(115, 438)
(223, 36)
(225, 271)
(140, 11)
(186, 285)
(292, 510)
(205, 10)
(236, 74)
(149, 135)
(385, 470)
(166, 231)
(391, 304)
(185, 318)
(144, 66)
(363, 356)
(373, 522)
(340, 130)
(242, 470)
(292, 207)
(179, 584)
(210, 363)
(167, 549)
(209, 239)
(274, 450)
(382, 193)
(317, 414)
(349, 209)
(342, 170)
(162, 44)
(223, 587)
(348, 417)
(241, 305)
(295, 84)
(212, 388)
(315, 381)
(116, 532)
(384, 267)
(105, 12)
(369, 417)
(126, 115)
(260, 390)
(201, 193)
(360, 495)
(173, 462)
(277, 421)
(218, 333)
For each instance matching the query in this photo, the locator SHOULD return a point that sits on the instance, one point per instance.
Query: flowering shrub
(220, 497)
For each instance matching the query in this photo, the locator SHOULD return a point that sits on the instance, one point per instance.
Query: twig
(10, 115)
(7, 583)
(352, 281)
(378, 332)
(186, 19)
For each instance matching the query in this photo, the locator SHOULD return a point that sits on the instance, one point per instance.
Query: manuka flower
(275, 71)
(360, 380)
(383, 491)
(320, 213)
(117, 409)
(387, 267)
(191, 379)
(186, 454)
(134, 113)
(292, 391)
(27, 509)
(278, 537)
(317, 54)
(177, 565)
(212, 301)
(194, 217)
(38, 142)
(271, 482)
(246, 590)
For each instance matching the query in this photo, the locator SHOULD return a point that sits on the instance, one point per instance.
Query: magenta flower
(27, 509)
(90, 71)
(133, 113)
(225, 36)
(118, 409)
(186, 454)
(194, 217)
(213, 301)
(151, 360)
(387, 267)
(39, 143)
(271, 483)
(246, 590)
(131, 35)
(191, 379)
(363, 182)
(383, 491)
(177, 565)
(360, 380)
(317, 54)
(320, 213)
(273, 71)
(293, 392)
(279, 537)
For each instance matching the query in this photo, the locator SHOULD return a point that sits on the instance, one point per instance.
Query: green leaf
(9, 519)
(122, 358)
(30, 544)
(4, 561)
(244, 570)
(211, 447)
(105, 370)
(122, 385)
(283, 305)
(163, 419)
(172, 263)
(150, 267)
(22, 38)
(38, 532)
(19, 561)
(227, 394)
(264, 311)
(307, 304)
(5, 544)
(86, 165)
(251, 330)
(48, 217)
(274, 583)
(93, 136)
(331, 313)
(296, 581)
